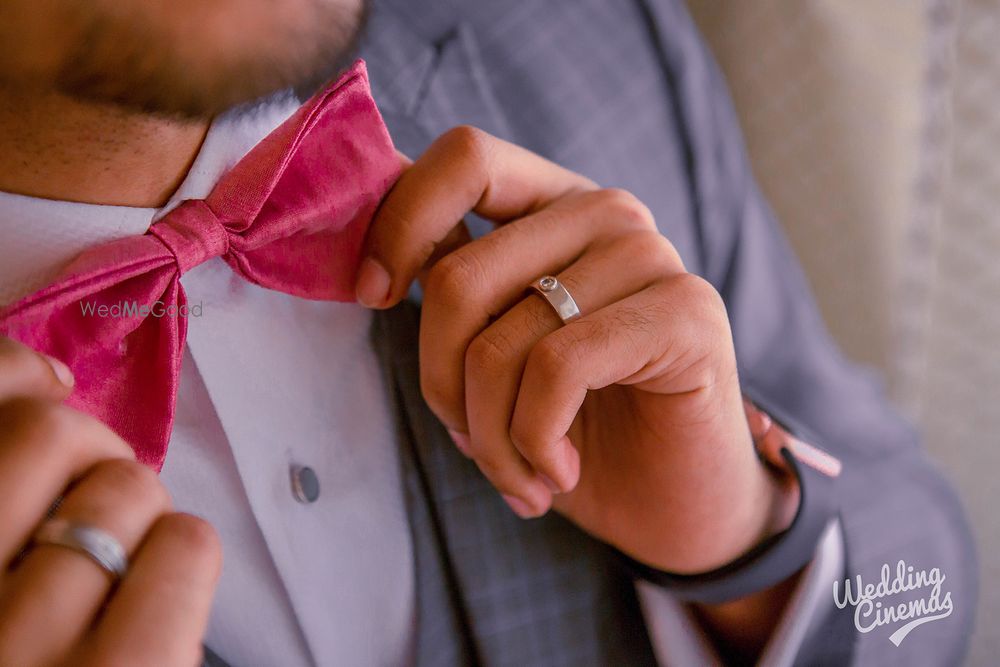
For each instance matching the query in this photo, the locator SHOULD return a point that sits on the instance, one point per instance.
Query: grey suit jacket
(624, 92)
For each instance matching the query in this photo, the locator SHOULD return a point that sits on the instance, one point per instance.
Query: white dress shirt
(269, 383)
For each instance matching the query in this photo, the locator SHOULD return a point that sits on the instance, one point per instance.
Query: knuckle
(704, 326)
(628, 208)
(652, 245)
(454, 278)
(195, 536)
(134, 480)
(551, 357)
(469, 141)
(491, 350)
(703, 297)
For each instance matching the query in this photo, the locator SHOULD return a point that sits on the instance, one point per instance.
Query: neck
(58, 148)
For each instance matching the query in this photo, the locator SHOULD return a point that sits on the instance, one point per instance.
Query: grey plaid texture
(625, 92)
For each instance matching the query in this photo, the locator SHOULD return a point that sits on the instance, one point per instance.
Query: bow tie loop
(192, 233)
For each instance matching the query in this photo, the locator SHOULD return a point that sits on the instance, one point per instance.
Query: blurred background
(874, 128)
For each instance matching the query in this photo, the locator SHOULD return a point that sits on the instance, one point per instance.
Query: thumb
(25, 373)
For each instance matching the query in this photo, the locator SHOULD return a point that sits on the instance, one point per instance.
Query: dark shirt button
(305, 484)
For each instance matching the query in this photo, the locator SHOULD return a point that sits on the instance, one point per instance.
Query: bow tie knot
(289, 216)
(192, 233)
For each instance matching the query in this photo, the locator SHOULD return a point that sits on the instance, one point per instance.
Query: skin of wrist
(766, 504)
(776, 502)
(745, 501)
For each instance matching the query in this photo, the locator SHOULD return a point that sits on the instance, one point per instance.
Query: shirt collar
(40, 236)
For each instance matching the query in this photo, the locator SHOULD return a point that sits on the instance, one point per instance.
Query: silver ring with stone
(98, 545)
(553, 291)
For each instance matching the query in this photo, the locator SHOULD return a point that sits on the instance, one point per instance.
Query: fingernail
(758, 421)
(760, 425)
(765, 422)
(547, 481)
(521, 508)
(61, 370)
(373, 285)
(461, 442)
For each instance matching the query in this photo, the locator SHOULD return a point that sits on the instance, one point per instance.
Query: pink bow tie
(290, 216)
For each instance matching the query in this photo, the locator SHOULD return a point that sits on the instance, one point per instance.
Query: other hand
(57, 606)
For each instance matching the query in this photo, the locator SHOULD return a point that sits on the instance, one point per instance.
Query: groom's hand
(629, 420)
(56, 605)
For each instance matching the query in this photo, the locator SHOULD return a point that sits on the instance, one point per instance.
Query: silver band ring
(553, 291)
(99, 545)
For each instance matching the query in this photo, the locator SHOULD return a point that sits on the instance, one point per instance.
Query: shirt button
(305, 484)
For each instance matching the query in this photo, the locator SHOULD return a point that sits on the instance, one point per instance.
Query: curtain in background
(874, 128)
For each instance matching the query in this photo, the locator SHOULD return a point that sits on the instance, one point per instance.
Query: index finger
(463, 170)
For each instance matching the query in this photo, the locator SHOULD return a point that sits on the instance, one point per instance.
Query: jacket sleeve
(893, 503)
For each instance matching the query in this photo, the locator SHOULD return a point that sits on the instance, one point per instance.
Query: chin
(199, 59)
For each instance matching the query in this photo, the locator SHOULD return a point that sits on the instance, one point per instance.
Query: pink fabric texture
(290, 216)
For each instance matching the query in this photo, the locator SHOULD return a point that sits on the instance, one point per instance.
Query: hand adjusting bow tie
(290, 216)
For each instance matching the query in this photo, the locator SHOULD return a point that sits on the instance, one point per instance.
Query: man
(356, 532)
